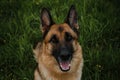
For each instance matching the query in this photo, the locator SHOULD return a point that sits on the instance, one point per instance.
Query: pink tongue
(65, 65)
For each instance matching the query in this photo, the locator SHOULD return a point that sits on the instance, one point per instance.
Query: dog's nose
(65, 57)
(65, 54)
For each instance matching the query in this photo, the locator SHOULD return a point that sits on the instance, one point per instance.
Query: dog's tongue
(65, 65)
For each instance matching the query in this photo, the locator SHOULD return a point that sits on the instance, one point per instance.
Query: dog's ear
(46, 20)
(72, 18)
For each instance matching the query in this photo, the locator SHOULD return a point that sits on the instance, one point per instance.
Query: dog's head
(60, 39)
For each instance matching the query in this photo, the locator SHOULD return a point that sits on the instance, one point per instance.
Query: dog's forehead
(61, 27)
(59, 30)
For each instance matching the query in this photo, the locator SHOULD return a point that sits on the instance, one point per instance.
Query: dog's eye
(68, 37)
(54, 39)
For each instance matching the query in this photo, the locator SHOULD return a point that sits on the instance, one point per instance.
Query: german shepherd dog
(59, 55)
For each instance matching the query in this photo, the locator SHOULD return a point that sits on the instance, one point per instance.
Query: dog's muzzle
(64, 60)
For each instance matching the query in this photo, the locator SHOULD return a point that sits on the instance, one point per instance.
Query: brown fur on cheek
(37, 51)
(48, 48)
(75, 43)
(77, 58)
(48, 59)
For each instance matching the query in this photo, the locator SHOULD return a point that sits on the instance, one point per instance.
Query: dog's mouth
(64, 62)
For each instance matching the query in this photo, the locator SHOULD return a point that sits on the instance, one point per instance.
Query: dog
(59, 54)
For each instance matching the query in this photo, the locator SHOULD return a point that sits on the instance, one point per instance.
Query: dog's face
(60, 39)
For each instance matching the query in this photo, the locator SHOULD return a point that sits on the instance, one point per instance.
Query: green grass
(99, 22)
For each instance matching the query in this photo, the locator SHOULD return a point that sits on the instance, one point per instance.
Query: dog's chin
(64, 64)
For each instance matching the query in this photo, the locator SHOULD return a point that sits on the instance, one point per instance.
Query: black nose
(65, 54)
(65, 57)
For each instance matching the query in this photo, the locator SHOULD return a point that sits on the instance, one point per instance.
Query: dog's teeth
(65, 65)
(69, 65)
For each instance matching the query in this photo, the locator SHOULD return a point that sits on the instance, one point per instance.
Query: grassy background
(99, 22)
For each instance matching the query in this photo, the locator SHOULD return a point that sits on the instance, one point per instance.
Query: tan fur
(48, 68)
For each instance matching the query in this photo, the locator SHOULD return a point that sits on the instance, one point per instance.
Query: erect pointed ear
(72, 18)
(46, 20)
